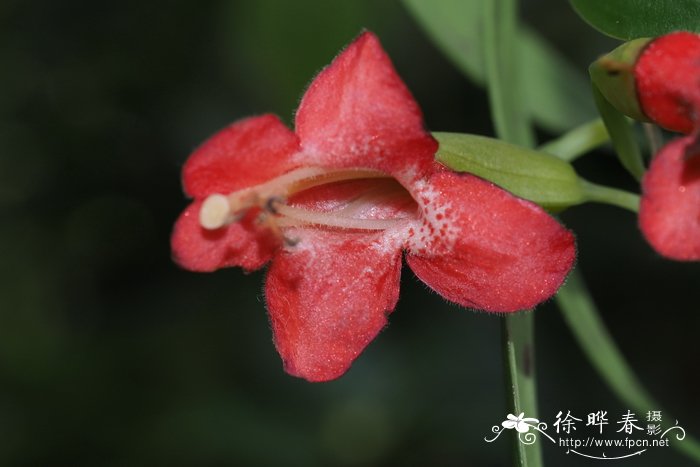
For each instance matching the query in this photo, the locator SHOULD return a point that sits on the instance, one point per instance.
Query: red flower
(666, 76)
(334, 206)
(669, 214)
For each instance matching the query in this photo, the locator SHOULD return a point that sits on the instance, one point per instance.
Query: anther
(269, 221)
(272, 203)
(289, 241)
(215, 212)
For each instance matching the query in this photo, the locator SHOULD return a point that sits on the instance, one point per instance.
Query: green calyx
(536, 176)
(613, 74)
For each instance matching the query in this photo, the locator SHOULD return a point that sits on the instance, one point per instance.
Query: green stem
(608, 195)
(519, 354)
(578, 141)
(512, 124)
(588, 328)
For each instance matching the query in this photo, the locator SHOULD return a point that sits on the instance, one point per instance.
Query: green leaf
(583, 319)
(556, 94)
(508, 104)
(630, 19)
(455, 27)
(543, 179)
(277, 43)
(621, 135)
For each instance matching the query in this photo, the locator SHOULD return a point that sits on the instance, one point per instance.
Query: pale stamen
(215, 212)
(332, 219)
(219, 210)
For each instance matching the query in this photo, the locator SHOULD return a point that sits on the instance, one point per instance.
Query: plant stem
(609, 195)
(578, 141)
(512, 125)
(519, 355)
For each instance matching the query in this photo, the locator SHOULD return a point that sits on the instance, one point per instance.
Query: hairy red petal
(328, 298)
(243, 154)
(666, 75)
(241, 243)
(669, 214)
(502, 253)
(358, 113)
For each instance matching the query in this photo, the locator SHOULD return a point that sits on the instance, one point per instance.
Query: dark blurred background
(112, 356)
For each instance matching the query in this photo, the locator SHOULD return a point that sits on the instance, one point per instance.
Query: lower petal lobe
(328, 297)
(241, 243)
(505, 254)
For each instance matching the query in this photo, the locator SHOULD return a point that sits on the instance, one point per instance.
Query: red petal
(669, 214)
(328, 298)
(506, 254)
(667, 84)
(358, 113)
(243, 154)
(239, 244)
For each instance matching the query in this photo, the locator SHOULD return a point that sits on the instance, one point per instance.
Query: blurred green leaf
(455, 27)
(535, 176)
(584, 321)
(503, 72)
(280, 45)
(629, 19)
(556, 92)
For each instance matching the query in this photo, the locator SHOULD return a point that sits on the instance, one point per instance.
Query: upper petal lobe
(243, 154)
(358, 113)
(329, 297)
(488, 249)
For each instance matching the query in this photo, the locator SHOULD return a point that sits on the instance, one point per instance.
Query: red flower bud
(667, 76)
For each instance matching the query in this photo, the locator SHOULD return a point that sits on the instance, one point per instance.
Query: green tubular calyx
(536, 176)
(613, 74)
